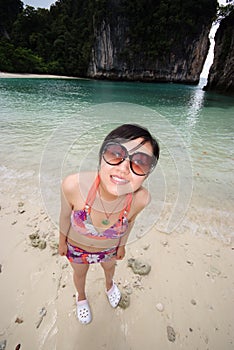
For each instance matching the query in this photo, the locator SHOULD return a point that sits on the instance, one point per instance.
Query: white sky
(47, 3)
(39, 3)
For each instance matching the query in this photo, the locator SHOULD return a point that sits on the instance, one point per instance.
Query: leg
(83, 311)
(112, 291)
(109, 270)
(79, 277)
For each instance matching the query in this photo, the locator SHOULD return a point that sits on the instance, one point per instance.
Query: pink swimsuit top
(82, 222)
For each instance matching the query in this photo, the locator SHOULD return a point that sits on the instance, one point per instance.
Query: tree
(9, 10)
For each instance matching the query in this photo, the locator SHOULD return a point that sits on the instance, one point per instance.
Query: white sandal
(83, 311)
(114, 295)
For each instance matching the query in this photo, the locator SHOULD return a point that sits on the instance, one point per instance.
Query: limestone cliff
(180, 60)
(221, 75)
(183, 65)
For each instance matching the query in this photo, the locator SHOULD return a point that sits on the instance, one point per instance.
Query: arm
(122, 242)
(141, 201)
(64, 221)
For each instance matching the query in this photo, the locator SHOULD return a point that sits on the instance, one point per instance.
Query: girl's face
(117, 180)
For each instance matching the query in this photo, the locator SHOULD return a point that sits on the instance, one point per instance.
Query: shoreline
(36, 76)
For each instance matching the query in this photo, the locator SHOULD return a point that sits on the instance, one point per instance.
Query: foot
(113, 295)
(83, 311)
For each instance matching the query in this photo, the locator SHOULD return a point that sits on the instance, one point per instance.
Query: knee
(108, 266)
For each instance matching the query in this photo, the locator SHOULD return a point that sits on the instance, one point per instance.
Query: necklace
(106, 221)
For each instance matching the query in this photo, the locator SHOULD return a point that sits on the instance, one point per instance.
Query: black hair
(127, 132)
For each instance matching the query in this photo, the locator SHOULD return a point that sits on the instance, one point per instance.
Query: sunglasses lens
(141, 163)
(114, 154)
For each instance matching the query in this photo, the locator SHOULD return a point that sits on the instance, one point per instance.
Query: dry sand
(26, 75)
(191, 278)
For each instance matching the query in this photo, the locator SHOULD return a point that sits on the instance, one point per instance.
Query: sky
(47, 3)
(39, 3)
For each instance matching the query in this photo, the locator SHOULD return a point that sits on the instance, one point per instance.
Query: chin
(124, 189)
(117, 190)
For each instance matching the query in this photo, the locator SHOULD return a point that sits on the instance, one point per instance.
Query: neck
(106, 196)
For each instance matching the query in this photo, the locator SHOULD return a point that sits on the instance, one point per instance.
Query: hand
(62, 249)
(120, 252)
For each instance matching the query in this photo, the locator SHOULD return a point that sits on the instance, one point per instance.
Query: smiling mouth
(118, 180)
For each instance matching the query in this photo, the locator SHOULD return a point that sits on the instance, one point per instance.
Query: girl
(98, 209)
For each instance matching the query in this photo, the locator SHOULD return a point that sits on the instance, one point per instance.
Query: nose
(125, 166)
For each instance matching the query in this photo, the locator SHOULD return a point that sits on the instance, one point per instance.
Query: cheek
(104, 168)
(104, 173)
(137, 182)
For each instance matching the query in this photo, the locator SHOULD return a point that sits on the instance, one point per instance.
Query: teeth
(116, 178)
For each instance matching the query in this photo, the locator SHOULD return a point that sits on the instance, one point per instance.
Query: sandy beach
(26, 75)
(185, 302)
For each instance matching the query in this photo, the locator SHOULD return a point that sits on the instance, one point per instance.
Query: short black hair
(127, 132)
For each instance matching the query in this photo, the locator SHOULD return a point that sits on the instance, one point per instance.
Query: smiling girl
(98, 209)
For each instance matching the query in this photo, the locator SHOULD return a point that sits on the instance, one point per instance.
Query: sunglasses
(140, 163)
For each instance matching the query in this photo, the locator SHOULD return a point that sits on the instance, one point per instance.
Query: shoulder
(78, 183)
(70, 183)
(141, 198)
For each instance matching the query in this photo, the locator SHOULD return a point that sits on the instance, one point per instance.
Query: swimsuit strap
(127, 206)
(92, 194)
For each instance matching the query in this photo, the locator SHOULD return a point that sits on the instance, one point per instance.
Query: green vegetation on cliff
(60, 40)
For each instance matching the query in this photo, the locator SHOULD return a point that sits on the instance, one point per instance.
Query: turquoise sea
(53, 127)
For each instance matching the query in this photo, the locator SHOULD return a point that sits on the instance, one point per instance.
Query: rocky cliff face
(221, 75)
(182, 63)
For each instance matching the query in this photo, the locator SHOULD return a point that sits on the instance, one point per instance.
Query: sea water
(54, 127)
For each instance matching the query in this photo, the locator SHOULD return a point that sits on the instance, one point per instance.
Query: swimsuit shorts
(79, 256)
